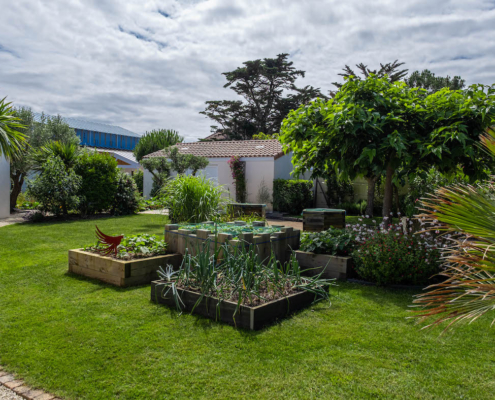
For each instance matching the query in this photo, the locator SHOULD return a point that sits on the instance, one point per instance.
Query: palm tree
(466, 215)
(11, 139)
(67, 152)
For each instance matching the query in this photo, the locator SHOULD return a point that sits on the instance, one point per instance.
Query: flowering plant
(239, 176)
(394, 255)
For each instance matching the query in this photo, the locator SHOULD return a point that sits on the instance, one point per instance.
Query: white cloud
(152, 64)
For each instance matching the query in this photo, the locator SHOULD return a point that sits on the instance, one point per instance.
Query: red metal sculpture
(110, 243)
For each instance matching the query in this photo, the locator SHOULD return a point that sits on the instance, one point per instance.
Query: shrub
(139, 179)
(56, 188)
(126, 200)
(388, 256)
(193, 198)
(99, 181)
(292, 195)
(356, 208)
(335, 242)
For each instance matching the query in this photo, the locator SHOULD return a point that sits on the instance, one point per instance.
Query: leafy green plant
(126, 200)
(135, 246)
(99, 181)
(230, 229)
(335, 242)
(56, 188)
(193, 198)
(292, 195)
(139, 179)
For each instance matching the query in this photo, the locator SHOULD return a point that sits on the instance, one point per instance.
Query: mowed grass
(81, 339)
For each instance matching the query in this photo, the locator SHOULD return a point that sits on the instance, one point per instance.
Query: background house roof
(76, 123)
(222, 149)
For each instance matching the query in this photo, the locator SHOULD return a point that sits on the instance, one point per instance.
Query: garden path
(293, 224)
(13, 219)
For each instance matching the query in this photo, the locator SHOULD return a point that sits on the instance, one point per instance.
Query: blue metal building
(95, 134)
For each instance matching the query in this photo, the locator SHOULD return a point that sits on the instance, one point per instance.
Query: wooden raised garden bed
(333, 267)
(120, 272)
(321, 219)
(287, 238)
(239, 209)
(251, 318)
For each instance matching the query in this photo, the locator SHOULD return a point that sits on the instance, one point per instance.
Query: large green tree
(269, 92)
(39, 136)
(432, 83)
(156, 140)
(374, 127)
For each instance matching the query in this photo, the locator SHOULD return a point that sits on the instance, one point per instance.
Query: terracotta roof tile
(221, 149)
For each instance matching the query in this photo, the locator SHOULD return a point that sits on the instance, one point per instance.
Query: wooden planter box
(239, 209)
(120, 272)
(251, 318)
(333, 267)
(320, 219)
(179, 240)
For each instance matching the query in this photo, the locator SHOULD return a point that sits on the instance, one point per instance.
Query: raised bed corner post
(172, 237)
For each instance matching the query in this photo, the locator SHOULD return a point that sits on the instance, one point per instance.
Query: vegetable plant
(135, 246)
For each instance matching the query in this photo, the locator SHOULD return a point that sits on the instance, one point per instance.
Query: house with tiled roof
(265, 160)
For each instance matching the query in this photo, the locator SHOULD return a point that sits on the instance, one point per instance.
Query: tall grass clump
(193, 198)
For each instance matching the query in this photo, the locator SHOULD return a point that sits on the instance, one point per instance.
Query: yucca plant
(465, 214)
(67, 152)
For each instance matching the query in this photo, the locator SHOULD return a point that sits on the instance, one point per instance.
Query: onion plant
(240, 277)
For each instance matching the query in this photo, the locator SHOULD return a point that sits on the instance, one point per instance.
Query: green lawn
(79, 338)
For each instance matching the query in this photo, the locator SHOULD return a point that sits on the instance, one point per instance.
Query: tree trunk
(387, 197)
(16, 189)
(371, 195)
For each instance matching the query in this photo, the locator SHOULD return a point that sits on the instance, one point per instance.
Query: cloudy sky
(145, 64)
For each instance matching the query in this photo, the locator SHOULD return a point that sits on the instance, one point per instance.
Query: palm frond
(466, 215)
(11, 140)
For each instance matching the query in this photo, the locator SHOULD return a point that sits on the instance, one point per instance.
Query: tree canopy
(38, 136)
(269, 92)
(432, 83)
(374, 127)
(156, 140)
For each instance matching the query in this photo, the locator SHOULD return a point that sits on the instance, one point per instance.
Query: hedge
(292, 195)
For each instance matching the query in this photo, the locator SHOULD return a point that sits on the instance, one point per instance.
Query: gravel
(7, 394)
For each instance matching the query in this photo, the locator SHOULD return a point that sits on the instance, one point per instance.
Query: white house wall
(147, 183)
(4, 187)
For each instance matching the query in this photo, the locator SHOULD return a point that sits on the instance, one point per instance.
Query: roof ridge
(230, 141)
